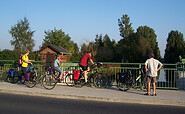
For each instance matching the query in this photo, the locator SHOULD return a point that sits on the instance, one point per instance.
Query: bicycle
(13, 76)
(77, 77)
(50, 79)
(126, 80)
(33, 77)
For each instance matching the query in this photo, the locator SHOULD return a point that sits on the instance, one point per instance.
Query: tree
(149, 34)
(8, 55)
(59, 38)
(22, 36)
(101, 49)
(105, 49)
(125, 26)
(133, 48)
(175, 47)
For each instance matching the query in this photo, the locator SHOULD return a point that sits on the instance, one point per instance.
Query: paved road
(164, 97)
(23, 104)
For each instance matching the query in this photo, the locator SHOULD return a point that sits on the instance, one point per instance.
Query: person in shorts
(84, 64)
(57, 65)
(152, 66)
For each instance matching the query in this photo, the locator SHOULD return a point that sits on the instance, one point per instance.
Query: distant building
(49, 52)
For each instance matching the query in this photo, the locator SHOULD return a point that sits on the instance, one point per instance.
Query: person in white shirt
(152, 66)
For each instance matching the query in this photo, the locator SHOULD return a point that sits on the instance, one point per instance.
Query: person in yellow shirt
(25, 62)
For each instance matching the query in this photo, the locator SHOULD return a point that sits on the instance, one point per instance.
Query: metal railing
(171, 76)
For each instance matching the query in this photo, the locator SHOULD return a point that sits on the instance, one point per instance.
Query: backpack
(20, 61)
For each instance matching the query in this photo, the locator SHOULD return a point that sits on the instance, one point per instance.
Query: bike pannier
(76, 74)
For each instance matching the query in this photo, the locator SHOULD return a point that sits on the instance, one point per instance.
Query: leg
(154, 86)
(154, 89)
(148, 90)
(60, 73)
(148, 82)
(85, 75)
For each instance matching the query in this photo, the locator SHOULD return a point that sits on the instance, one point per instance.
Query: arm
(58, 63)
(92, 61)
(27, 61)
(159, 68)
(146, 69)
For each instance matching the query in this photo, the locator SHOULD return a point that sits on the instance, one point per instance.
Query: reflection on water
(162, 76)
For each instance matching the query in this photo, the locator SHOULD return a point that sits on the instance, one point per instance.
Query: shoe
(147, 94)
(155, 94)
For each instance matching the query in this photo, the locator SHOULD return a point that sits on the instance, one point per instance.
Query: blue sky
(83, 19)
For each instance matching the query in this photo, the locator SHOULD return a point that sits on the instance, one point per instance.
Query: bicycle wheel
(100, 81)
(17, 77)
(124, 86)
(49, 81)
(69, 80)
(31, 82)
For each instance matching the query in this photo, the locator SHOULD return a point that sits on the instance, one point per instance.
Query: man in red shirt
(84, 64)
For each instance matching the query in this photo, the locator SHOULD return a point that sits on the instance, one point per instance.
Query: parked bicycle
(127, 80)
(77, 77)
(50, 79)
(13, 75)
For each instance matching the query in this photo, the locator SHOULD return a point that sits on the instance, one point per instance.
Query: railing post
(140, 84)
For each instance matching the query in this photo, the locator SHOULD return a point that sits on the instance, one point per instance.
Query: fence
(171, 76)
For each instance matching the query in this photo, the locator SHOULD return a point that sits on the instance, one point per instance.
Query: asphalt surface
(164, 97)
(24, 104)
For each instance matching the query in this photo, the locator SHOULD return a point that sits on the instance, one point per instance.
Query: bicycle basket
(76, 74)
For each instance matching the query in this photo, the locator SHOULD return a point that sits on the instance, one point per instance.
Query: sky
(82, 20)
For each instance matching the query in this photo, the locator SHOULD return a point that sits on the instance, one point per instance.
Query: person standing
(25, 62)
(84, 64)
(152, 66)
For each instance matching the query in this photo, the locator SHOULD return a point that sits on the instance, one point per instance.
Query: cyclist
(56, 66)
(84, 64)
(25, 62)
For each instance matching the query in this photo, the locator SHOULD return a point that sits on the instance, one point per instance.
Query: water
(162, 76)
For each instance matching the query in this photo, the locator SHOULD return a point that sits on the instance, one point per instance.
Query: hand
(146, 70)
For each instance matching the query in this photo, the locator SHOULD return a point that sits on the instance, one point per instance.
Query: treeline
(132, 47)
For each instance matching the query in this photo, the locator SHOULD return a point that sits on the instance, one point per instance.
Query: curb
(101, 99)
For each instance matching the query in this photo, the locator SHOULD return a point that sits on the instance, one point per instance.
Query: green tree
(149, 34)
(125, 26)
(22, 36)
(132, 48)
(175, 47)
(105, 49)
(7, 54)
(101, 49)
(59, 38)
